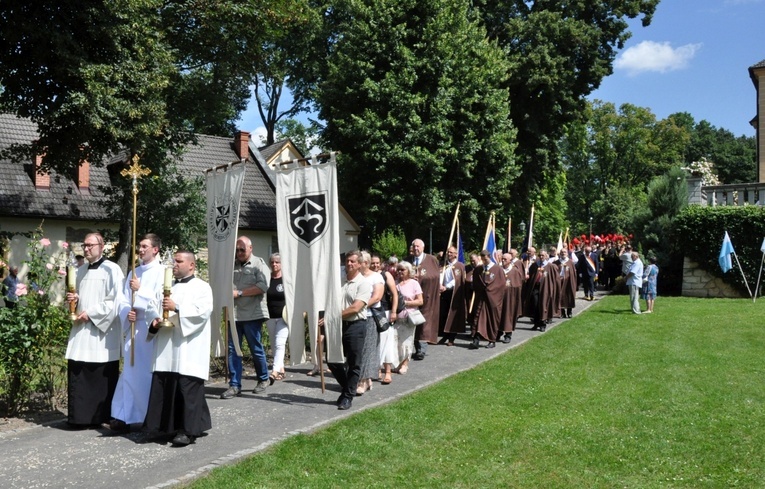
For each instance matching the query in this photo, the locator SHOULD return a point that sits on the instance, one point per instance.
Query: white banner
(224, 192)
(308, 227)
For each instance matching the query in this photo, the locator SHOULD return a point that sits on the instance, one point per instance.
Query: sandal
(386, 380)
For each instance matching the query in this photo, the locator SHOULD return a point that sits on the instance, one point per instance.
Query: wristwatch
(239, 293)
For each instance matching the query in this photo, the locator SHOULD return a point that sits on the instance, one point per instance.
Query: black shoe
(443, 340)
(231, 392)
(474, 344)
(507, 337)
(118, 426)
(418, 356)
(344, 404)
(182, 439)
(491, 345)
(543, 328)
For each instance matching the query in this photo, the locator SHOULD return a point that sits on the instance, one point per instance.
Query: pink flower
(62, 272)
(45, 242)
(41, 292)
(21, 289)
(65, 245)
(49, 266)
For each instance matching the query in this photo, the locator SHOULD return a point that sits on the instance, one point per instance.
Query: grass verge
(607, 399)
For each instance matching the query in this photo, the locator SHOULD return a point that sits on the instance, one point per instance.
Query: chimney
(42, 180)
(82, 176)
(242, 145)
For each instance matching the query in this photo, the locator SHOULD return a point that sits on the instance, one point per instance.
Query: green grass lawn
(606, 400)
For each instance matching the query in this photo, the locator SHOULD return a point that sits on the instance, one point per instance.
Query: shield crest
(308, 217)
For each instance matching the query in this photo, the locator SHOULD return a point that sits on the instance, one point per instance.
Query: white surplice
(185, 347)
(131, 398)
(97, 340)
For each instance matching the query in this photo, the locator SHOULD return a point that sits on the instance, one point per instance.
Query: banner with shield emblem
(309, 245)
(224, 192)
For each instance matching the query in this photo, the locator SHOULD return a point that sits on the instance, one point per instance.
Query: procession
(387, 315)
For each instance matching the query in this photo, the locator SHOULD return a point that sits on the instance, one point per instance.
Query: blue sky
(694, 57)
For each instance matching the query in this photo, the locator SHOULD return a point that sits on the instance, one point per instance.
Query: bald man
(251, 280)
(427, 273)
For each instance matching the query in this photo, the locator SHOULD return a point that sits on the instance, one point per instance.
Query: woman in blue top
(649, 284)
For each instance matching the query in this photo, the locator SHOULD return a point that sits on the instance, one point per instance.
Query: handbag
(415, 318)
(381, 320)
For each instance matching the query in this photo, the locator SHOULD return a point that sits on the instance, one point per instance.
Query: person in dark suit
(589, 269)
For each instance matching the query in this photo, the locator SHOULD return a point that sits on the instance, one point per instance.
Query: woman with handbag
(412, 293)
(388, 346)
(370, 360)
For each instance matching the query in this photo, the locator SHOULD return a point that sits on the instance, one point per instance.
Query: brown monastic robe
(454, 322)
(427, 273)
(512, 306)
(489, 287)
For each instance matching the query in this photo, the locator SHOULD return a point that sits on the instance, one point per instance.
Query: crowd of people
(393, 310)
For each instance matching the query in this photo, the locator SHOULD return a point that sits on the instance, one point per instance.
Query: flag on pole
(725, 252)
(490, 240)
(460, 247)
(309, 244)
(224, 192)
(762, 247)
(559, 246)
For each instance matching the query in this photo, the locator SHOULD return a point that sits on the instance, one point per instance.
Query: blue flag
(491, 245)
(460, 250)
(725, 251)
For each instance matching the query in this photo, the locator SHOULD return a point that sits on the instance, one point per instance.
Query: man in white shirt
(635, 281)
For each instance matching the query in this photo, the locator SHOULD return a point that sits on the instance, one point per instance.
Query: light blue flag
(725, 251)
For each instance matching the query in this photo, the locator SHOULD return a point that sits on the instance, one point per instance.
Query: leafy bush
(390, 242)
(33, 334)
(698, 234)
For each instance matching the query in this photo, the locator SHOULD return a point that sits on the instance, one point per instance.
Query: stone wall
(699, 283)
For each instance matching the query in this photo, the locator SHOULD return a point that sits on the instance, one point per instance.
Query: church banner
(309, 246)
(224, 192)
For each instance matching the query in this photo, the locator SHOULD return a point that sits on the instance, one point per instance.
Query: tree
(126, 77)
(303, 137)
(613, 156)
(412, 97)
(558, 51)
(734, 158)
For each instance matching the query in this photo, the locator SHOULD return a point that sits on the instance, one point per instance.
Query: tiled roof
(761, 64)
(258, 204)
(64, 200)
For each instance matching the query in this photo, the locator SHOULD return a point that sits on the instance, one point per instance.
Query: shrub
(33, 334)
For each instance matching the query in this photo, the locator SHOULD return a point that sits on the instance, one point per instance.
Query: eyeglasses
(90, 245)
(240, 250)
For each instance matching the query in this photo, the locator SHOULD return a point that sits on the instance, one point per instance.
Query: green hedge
(698, 234)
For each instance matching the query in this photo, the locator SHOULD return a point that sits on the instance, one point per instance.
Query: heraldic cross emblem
(308, 217)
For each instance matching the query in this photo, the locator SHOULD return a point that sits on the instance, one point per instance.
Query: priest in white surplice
(93, 349)
(132, 395)
(181, 361)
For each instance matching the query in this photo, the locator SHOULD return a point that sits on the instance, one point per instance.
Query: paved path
(51, 456)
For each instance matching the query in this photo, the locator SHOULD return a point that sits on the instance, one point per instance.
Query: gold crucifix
(135, 171)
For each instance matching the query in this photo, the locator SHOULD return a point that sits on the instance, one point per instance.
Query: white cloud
(655, 56)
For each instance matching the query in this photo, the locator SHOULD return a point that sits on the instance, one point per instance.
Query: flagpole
(531, 227)
(759, 275)
(742, 274)
(509, 233)
(451, 233)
